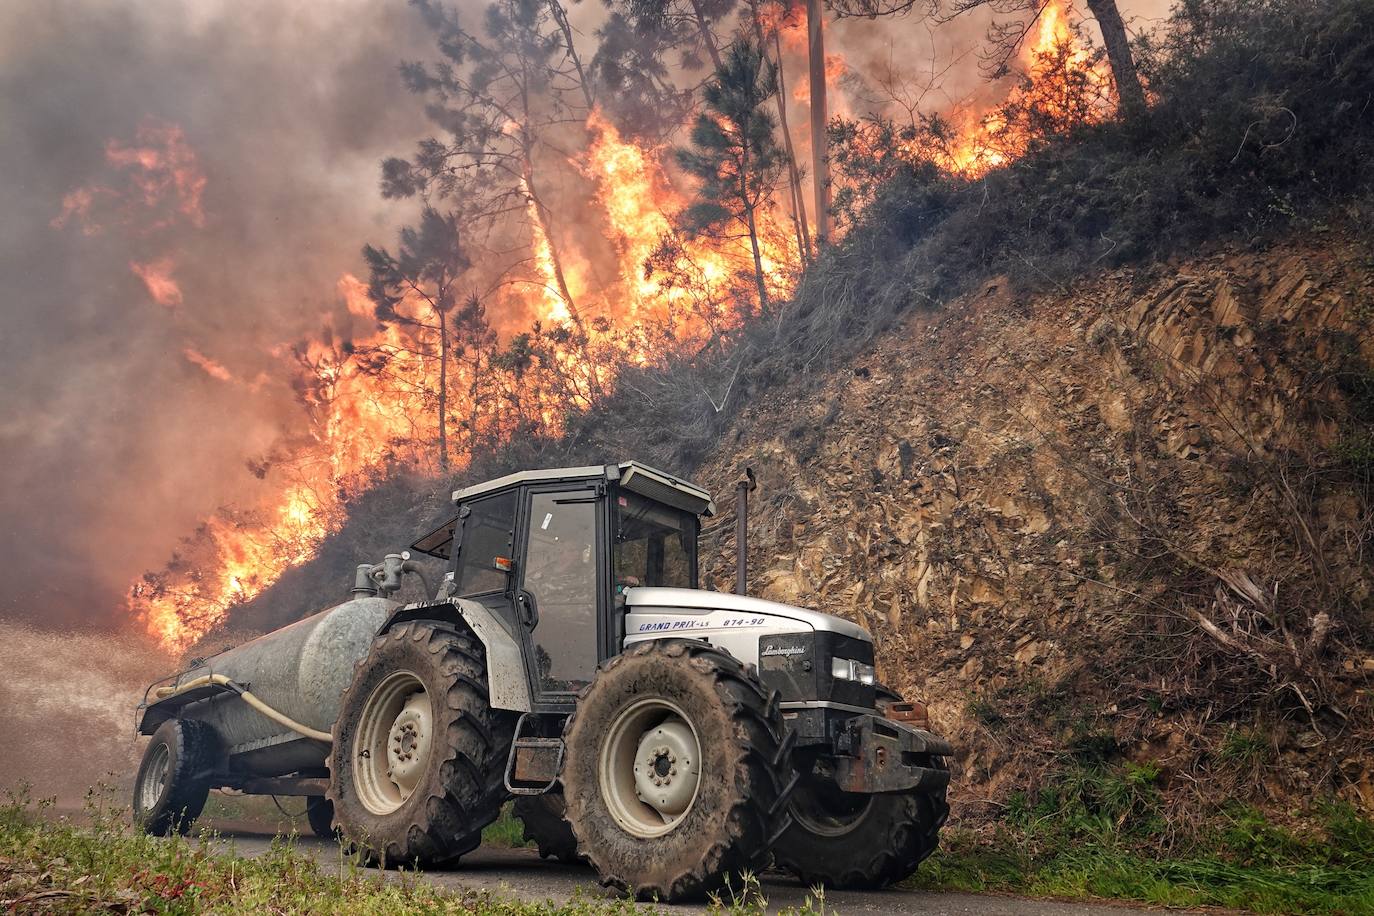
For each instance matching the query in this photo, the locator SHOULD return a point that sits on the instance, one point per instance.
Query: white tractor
(673, 738)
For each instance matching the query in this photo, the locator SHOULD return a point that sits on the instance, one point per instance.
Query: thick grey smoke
(129, 409)
(113, 442)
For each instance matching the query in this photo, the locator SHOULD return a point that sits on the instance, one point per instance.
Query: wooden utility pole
(820, 171)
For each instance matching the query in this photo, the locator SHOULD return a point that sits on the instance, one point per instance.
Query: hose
(280, 718)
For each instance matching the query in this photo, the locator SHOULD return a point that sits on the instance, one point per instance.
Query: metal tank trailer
(673, 738)
(264, 709)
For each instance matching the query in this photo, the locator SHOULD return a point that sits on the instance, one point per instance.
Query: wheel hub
(650, 767)
(666, 768)
(395, 732)
(154, 778)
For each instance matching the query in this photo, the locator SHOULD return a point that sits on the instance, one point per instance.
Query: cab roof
(631, 475)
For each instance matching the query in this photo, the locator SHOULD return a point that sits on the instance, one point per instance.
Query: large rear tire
(416, 768)
(844, 840)
(546, 825)
(319, 812)
(173, 780)
(672, 775)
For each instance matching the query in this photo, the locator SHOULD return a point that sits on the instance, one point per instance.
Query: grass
(54, 865)
(1101, 832)
(506, 831)
(1098, 833)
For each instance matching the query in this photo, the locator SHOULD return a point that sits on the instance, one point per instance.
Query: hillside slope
(1127, 520)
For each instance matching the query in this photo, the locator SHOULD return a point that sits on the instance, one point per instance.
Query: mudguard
(507, 681)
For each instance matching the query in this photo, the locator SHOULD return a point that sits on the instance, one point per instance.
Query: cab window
(654, 544)
(488, 534)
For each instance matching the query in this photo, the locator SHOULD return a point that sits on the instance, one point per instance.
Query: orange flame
(662, 289)
(157, 277)
(987, 142)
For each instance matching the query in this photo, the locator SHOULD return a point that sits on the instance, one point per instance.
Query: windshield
(654, 544)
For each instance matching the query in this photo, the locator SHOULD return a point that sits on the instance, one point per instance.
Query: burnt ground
(521, 874)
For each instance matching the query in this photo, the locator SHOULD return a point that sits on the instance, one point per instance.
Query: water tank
(301, 670)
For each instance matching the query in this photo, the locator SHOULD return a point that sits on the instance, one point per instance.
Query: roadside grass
(1100, 832)
(56, 865)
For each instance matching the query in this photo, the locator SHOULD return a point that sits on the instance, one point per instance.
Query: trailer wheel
(545, 824)
(672, 774)
(416, 768)
(846, 840)
(319, 811)
(173, 779)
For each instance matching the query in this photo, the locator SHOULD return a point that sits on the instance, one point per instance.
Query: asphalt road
(521, 874)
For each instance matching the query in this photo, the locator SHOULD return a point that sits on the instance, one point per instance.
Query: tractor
(671, 737)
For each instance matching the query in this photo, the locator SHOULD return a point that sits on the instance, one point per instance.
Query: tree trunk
(707, 38)
(443, 390)
(793, 173)
(560, 16)
(820, 177)
(1128, 88)
(798, 202)
(748, 203)
(758, 259)
(541, 213)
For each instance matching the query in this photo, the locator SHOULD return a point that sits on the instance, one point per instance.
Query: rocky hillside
(1128, 520)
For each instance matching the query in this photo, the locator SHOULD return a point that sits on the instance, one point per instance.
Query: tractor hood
(691, 600)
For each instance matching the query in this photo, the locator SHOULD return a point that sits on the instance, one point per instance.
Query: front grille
(797, 665)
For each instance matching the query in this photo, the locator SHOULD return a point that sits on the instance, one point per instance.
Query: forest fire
(1065, 81)
(373, 398)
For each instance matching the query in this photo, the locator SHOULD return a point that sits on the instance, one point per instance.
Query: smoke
(185, 182)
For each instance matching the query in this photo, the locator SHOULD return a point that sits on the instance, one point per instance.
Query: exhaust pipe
(742, 490)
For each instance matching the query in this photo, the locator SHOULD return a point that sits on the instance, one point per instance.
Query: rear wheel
(848, 840)
(173, 780)
(319, 811)
(418, 755)
(672, 770)
(546, 825)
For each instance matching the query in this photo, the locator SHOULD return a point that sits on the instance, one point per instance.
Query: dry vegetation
(1111, 511)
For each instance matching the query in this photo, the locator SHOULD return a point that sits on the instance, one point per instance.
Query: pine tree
(734, 153)
(415, 289)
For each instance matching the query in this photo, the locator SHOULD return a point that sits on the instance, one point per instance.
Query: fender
(507, 685)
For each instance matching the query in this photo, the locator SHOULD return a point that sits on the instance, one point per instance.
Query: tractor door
(562, 590)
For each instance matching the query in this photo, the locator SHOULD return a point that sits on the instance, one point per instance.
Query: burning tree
(499, 98)
(1017, 20)
(421, 278)
(734, 154)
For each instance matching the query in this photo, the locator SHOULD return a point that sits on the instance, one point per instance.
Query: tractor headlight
(849, 670)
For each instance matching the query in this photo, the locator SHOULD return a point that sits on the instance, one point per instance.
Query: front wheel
(848, 840)
(672, 771)
(415, 771)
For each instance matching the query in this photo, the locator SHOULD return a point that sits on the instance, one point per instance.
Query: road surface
(521, 874)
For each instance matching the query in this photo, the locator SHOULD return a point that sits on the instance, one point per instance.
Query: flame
(209, 366)
(163, 166)
(157, 277)
(1052, 61)
(369, 398)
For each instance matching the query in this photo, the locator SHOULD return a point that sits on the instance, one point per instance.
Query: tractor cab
(552, 554)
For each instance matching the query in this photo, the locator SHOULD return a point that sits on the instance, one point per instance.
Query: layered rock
(1127, 518)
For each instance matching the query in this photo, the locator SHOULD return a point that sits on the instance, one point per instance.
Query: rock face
(1128, 519)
